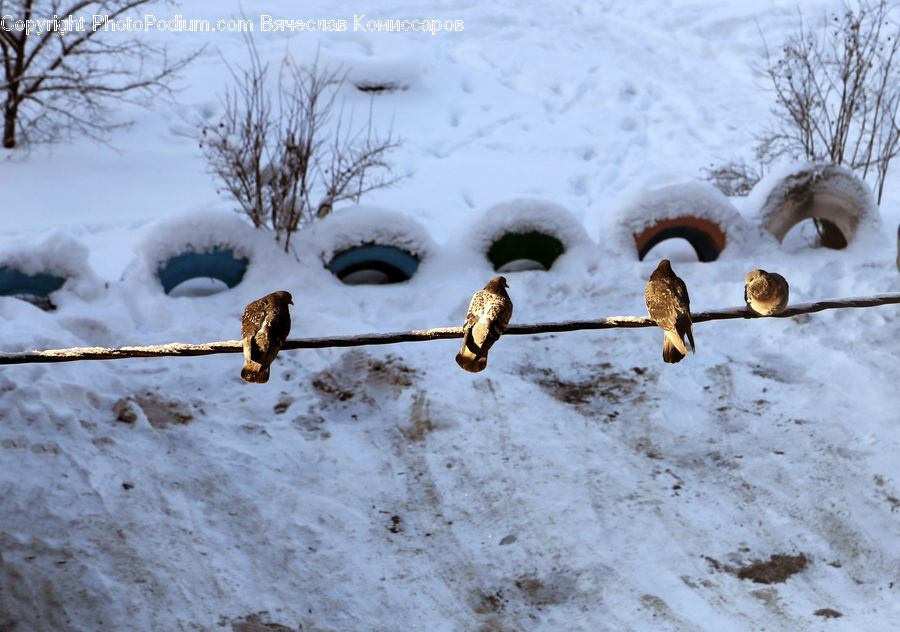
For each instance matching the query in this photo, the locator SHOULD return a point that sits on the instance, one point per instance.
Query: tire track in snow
(431, 523)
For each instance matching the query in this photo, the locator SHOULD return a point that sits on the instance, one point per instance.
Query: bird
(487, 318)
(670, 307)
(898, 248)
(264, 329)
(766, 293)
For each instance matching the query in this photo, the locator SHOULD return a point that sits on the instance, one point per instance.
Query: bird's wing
(253, 317)
(476, 311)
(684, 327)
(662, 305)
(476, 308)
(260, 344)
(499, 311)
(492, 324)
(280, 326)
(681, 293)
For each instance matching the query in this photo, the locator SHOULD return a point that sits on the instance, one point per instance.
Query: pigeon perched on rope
(264, 329)
(766, 293)
(898, 248)
(487, 318)
(669, 306)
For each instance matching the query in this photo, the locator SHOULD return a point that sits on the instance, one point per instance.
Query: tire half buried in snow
(373, 264)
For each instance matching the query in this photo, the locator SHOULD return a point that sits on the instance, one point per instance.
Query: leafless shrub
(837, 92)
(734, 178)
(288, 159)
(61, 74)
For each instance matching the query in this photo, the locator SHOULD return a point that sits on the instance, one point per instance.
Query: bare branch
(298, 155)
(837, 92)
(68, 80)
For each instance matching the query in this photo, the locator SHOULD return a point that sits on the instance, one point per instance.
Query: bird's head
(663, 270)
(754, 274)
(496, 284)
(283, 298)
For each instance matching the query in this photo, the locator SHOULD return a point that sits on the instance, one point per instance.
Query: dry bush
(734, 179)
(288, 158)
(837, 92)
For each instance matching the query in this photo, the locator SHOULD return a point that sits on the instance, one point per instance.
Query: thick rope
(420, 335)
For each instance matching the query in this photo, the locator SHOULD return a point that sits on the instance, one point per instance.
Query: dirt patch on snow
(257, 623)
(160, 411)
(555, 588)
(776, 570)
(598, 389)
(359, 376)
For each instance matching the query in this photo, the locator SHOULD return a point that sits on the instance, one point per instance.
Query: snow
(194, 232)
(357, 225)
(200, 231)
(577, 484)
(59, 254)
(474, 239)
(379, 72)
(848, 190)
(640, 207)
(522, 216)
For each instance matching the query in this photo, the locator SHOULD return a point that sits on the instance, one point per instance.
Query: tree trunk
(10, 114)
(11, 106)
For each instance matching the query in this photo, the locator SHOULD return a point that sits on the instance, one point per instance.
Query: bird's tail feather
(684, 327)
(488, 334)
(253, 372)
(675, 339)
(671, 353)
(690, 335)
(471, 357)
(470, 362)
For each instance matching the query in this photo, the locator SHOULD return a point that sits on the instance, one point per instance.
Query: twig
(420, 335)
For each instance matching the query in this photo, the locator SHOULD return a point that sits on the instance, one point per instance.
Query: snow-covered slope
(577, 484)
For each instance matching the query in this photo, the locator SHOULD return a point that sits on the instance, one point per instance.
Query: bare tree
(62, 69)
(288, 159)
(837, 92)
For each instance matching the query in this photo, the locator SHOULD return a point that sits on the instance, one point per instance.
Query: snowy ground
(578, 484)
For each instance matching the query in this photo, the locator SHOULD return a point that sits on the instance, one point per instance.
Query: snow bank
(199, 232)
(368, 62)
(61, 255)
(525, 215)
(387, 72)
(639, 208)
(361, 225)
(796, 192)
